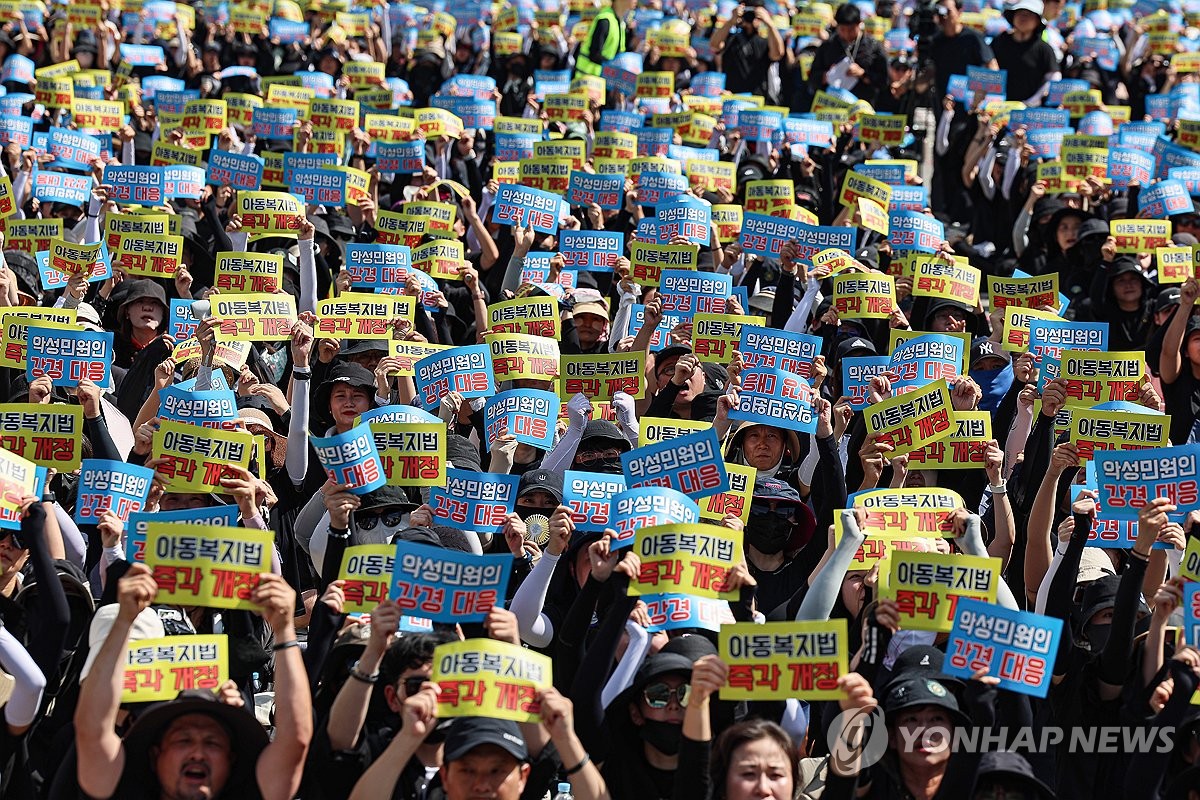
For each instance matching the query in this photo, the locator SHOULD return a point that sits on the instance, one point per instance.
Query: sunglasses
(658, 695)
(391, 519)
(412, 686)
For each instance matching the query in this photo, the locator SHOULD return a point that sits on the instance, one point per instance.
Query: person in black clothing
(779, 530)
(1179, 364)
(746, 54)
(850, 59)
(955, 47)
(1029, 60)
(1124, 297)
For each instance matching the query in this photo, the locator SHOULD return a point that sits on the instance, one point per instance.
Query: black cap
(541, 480)
(1166, 298)
(920, 691)
(1010, 770)
(773, 489)
(342, 372)
(855, 345)
(1089, 227)
(1193, 325)
(355, 346)
(601, 430)
(467, 733)
(418, 534)
(1097, 596)
(939, 304)
(985, 348)
(922, 661)
(385, 497)
(462, 453)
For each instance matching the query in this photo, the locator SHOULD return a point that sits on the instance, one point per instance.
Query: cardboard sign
(965, 448)
(1034, 292)
(254, 317)
(686, 559)
(249, 272)
(1018, 647)
(858, 296)
(518, 356)
(776, 397)
(68, 357)
(912, 421)
(352, 459)
(647, 507)
(782, 660)
(589, 495)
(466, 370)
(689, 464)
(111, 486)
(198, 458)
(487, 678)
(1094, 377)
(1116, 430)
(412, 453)
(602, 375)
(529, 415)
(159, 669)
(474, 500)
(928, 586)
(201, 565)
(47, 435)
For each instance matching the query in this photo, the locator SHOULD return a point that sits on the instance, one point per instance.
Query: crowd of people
(1042, 144)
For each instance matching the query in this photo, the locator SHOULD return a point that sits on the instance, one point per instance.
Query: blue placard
(524, 206)
(549, 76)
(51, 278)
(1191, 612)
(772, 348)
(1164, 199)
(891, 174)
(708, 84)
(10, 519)
(606, 191)
(274, 124)
(1047, 142)
(139, 521)
(18, 69)
(351, 459)
(956, 87)
(765, 236)
(620, 121)
(378, 266)
(466, 370)
(475, 114)
(68, 356)
(1034, 119)
(1172, 155)
(1127, 165)
(776, 397)
(589, 495)
(322, 187)
(216, 380)
(17, 130)
(319, 82)
(400, 157)
(287, 31)
(529, 415)
(689, 464)
(1101, 49)
(1018, 647)
(857, 372)
(760, 126)
(136, 186)
(591, 251)
(635, 509)
(153, 84)
(1095, 123)
(662, 334)
(686, 292)
(619, 80)
(1049, 337)
(987, 81)
(295, 161)
(1109, 534)
(1190, 177)
(684, 215)
(72, 149)
(909, 198)
(810, 132)
(235, 169)
(1128, 480)
(447, 585)
(400, 414)
(913, 230)
(208, 409)
(514, 146)
(683, 153)
(182, 181)
(475, 501)
(1057, 90)
(111, 486)
(923, 359)
(653, 141)
(143, 55)
(668, 612)
(173, 101)
(61, 187)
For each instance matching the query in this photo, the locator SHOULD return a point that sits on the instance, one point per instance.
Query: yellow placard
(105, 116)
(229, 354)
(388, 129)
(159, 669)
(165, 154)
(1092, 431)
(520, 356)
(524, 127)
(340, 115)
(782, 660)
(1016, 326)
(441, 258)
(1175, 264)
(1094, 377)
(659, 429)
(565, 107)
(367, 572)
(927, 586)
(735, 500)
(207, 565)
(8, 205)
(602, 375)
(883, 130)
(239, 107)
(361, 315)
(14, 330)
(655, 84)
(716, 336)
(437, 216)
(764, 196)
(18, 477)
(647, 260)
(1140, 235)
(934, 277)
(144, 255)
(409, 353)
(413, 454)
(197, 458)
(873, 216)
(727, 221)
(364, 73)
(916, 498)
(272, 175)
(31, 235)
(55, 91)
(686, 559)
(856, 185)
(48, 435)
(535, 315)
(249, 272)
(274, 213)
(488, 678)
(965, 448)
(864, 296)
(77, 259)
(1034, 292)
(913, 420)
(574, 150)
(711, 176)
(431, 122)
(205, 115)
(254, 317)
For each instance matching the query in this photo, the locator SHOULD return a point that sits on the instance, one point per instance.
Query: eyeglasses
(596, 456)
(658, 695)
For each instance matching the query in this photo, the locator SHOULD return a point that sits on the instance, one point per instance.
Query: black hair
(410, 652)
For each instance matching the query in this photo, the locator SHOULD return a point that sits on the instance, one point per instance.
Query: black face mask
(662, 736)
(1097, 636)
(768, 533)
(607, 466)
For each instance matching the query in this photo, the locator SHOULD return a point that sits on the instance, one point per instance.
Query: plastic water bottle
(564, 792)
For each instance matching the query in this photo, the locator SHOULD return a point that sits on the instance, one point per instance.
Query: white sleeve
(535, 628)
(22, 707)
(630, 663)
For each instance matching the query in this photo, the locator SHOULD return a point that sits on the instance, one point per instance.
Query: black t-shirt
(1182, 399)
(953, 54)
(746, 59)
(1027, 63)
